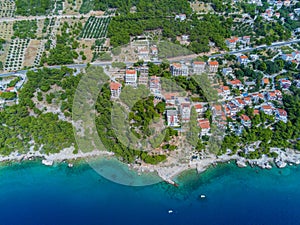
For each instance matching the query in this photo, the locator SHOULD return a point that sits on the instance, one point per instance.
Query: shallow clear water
(31, 193)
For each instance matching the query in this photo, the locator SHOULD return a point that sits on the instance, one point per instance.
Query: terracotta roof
(234, 82)
(154, 79)
(130, 72)
(272, 93)
(285, 81)
(266, 107)
(10, 88)
(115, 86)
(247, 99)
(198, 106)
(256, 112)
(213, 63)
(218, 107)
(282, 112)
(178, 65)
(169, 96)
(245, 117)
(225, 88)
(241, 101)
(266, 81)
(199, 63)
(233, 39)
(204, 124)
(244, 57)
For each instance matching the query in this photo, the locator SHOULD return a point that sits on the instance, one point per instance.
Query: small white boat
(170, 211)
(202, 196)
(70, 165)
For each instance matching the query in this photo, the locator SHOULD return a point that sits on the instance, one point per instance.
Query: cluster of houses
(147, 53)
(5, 87)
(234, 41)
(293, 57)
(198, 67)
(178, 109)
(275, 6)
(260, 102)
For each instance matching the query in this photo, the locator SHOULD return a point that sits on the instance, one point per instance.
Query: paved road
(276, 44)
(188, 57)
(11, 19)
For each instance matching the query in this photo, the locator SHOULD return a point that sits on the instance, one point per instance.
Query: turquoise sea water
(31, 193)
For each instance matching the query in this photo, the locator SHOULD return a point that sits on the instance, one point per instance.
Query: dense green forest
(111, 140)
(24, 123)
(152, 15)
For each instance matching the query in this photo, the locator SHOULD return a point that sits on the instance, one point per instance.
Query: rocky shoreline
(167, 173)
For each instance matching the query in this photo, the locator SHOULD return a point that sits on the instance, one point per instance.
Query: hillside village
(236, 64)
(242, 98)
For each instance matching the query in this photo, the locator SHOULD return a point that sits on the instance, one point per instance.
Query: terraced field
(6, 30)
(7, 8)
(95, 28)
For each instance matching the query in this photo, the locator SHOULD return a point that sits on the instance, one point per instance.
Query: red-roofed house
(256, 112)
(285, 84)
(239, 102)
(267, 109)
(225, 90)
(10, 89)
(281, 114)
(236, 84)
(154, 84)
(170, 98)
(115, 89)
(178, 69)
(143, 79)
(185, 112)
(199, 108)
(248, 100)
(198, 67)
(265, 81)
(217, 110)
(278, 94)
(154, 50)
(205, 126)
(231, 42)
(213, 66)
(243, 59)
(271, 96)
(245, 120)
(131, 77)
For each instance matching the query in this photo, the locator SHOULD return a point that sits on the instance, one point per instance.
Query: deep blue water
(31, 193)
